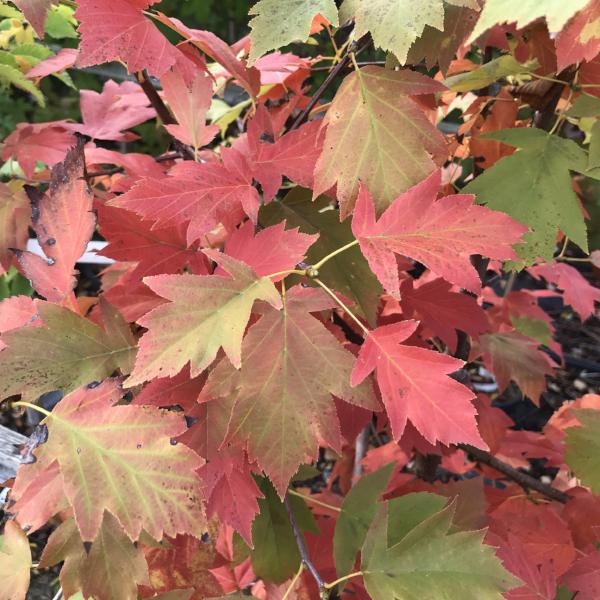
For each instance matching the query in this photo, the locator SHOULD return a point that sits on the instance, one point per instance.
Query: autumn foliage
(275, 390)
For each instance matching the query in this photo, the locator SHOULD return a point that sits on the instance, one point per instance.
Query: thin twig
(353, 48)
(524, 480)
(302, 546)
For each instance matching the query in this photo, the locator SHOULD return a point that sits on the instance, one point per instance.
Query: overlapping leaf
(293, 19)
(118, 30)
(204, 313)
(393, 25)
(68, 351)
(523, 12)
(426, 559)
(357, 513)
(441, 234)
(415, 386)
(111, 568)
(582, 448)
(64, 223)
(189, 101)
(512, 356)
(202, 195)
(15, 562)
(347, 272)
(534, 186)
(142, 478)
(398, 145)
(291, 365)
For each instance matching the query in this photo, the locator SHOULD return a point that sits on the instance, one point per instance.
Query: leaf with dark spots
(64, 223)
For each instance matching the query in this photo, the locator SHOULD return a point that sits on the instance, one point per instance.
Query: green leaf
(523, 12)
(281, 22)
(357, 512)
(34, 51)
(406, 512)
(534, 186)
(585, 106)
(60, 23)
(425, 561)
(583, 448)
(68, 351)
(275, 556)
(347, 272)
(534, 328)
(395, 25)
(489, 72)
(11, 75)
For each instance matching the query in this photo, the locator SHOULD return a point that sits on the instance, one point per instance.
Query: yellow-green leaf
(15, 562)
(395, 25)
(11, 76)
(123, 459)
(583, 448)
(279, 22)
(66, 352)
(489, 72)
(378, 135)
(204, 313)
(523, 12)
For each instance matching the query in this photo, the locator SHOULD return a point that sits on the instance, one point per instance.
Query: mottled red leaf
(415, 386)
(577, 292)
(120, 106)
(64, 223)
(442, 310)
(442, 234)
(270, 250)
(118, 30)
(202, 195)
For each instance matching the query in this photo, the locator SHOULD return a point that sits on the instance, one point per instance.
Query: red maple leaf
(442, 310)
(415, 386)
(271, 250)
(202, 195)
(32, 142)
(64, 223)
(118, 107)
(579, 41)
(219, 51)
(189, 100)
(118, 30)
(35, 12)
(442, 234)
(156, 251)
(577, 292)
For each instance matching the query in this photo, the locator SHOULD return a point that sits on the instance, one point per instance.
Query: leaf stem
(343, 305)
(342, 579)
(552, 79)
(33, 407)
(334, 253)
(294, 581)
(314, 500)
(287, 272)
